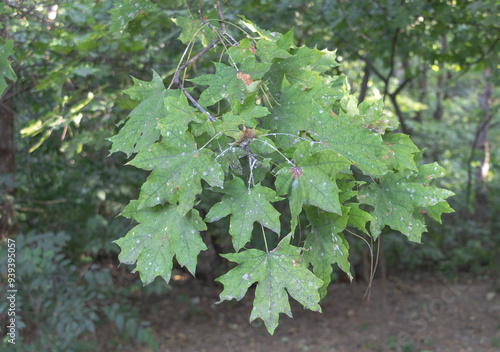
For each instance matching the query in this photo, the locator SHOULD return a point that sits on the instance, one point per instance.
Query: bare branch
(195, 103)
(221, 18)
(197, 56)
(178, 82)
(393, 57)
(219, 38)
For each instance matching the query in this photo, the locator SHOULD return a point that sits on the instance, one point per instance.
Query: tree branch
(398, 112)
(178, 82)
(364, 84)
(221, 18)
(219, 38)
(402, 85)
(393, 57)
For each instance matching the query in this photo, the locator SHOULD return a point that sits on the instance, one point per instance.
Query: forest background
(434, 63)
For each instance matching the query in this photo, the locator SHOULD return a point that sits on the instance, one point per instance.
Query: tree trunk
(481, 208)
(422, 90)
(364, 84)
(7, 157)
(438, 113)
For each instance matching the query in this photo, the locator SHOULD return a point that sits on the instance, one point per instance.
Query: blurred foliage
(58, 301)
(71, 71)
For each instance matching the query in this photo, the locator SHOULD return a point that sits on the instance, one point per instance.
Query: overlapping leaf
(360, 146)
(401, 151)
(161, 234)
(140, 131)
(294, 114)
(300, 112)
(178, 112)
(244, 56)
(227, 82)
(277, 273)
(371, 117)
(310, 182)
(178, 167)
(358, 217)
(242, 114)
(246, 207)
(303, 69)
(325, 244)
(398, 202)
(191, 29)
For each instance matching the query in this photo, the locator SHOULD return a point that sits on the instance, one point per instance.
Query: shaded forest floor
(410, 314)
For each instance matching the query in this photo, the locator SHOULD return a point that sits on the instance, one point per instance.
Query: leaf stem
(276, 149)
(265, 239)
(253, 161)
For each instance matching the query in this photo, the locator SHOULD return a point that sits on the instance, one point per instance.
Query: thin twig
(220, 37)
(195, 103)
(221, 18)
(197, 56)
(177, 81)
(222, 25)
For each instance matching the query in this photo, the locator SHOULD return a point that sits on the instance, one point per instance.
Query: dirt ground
(412, 314)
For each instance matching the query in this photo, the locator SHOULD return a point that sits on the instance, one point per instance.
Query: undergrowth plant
(271, 127)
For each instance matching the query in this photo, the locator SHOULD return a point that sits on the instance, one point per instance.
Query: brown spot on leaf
(296, 171)
(245, 77)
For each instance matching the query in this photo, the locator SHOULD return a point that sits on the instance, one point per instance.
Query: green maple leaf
(161, 234)
(348, 186)
(268, 50)
(360, 146)
(244, 56)
(125, 11)
(229, 159)
(303, 69)
(246, 207)
(224, 84)
(401, 151)
(178, 112)
(178, 167)
(6, 71)
(295, 112)
(310, 182)
(242, 114)
(397, 202)
(358, 217)
(300, 112)
(325, 244)
(190, 29)
(427, 173)
(140, 130)
(435, 211)
(371, 117)
(277, 273)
